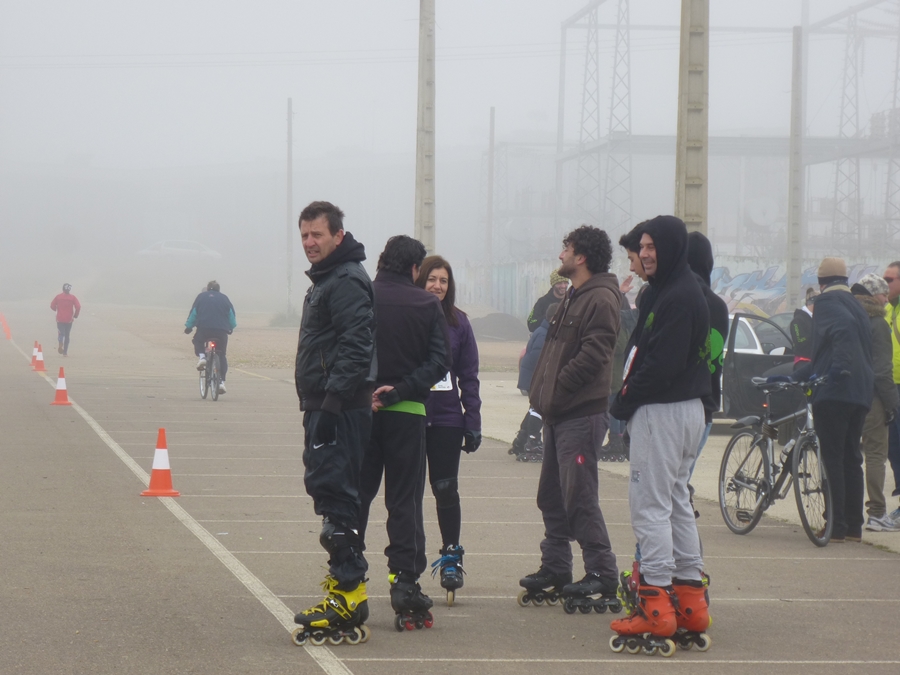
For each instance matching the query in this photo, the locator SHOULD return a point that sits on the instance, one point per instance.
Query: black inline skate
(592, 592)
(338, 618)
(615, 450)
(451, 569)
(542, 586)
(534, 451)
(409, 602)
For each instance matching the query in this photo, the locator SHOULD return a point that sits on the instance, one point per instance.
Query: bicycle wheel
(214, 377)
(204, 389)
(743, 490)
(812, 492)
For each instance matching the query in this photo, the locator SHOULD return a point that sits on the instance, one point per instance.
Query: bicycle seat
(749, 421)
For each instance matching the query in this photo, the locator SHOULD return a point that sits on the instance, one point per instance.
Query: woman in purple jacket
(452, 422)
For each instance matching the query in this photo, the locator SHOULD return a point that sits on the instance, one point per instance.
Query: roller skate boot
(534, 451)
(650, 627)
(451, 569)
(592, 592)
(338, 618)
(614, 450)
(541, 586)
(409, 602)
(692, 613)
(628, 587)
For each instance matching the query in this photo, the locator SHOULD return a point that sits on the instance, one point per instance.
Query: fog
(124, 124)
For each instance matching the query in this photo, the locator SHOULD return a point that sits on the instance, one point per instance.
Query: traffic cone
(161, 474)
(39, 361)
(34, 355)
(62, 396)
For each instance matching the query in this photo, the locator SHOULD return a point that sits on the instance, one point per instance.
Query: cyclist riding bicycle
(213, 315)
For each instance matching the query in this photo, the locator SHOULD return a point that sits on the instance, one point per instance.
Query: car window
(744, 338)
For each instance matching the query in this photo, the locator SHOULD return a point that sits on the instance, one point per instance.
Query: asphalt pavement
(97, 579)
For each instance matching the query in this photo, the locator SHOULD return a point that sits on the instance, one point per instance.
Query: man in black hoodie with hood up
(666, 377)
(335, 377)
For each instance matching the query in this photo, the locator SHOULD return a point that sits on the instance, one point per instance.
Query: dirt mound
(501, 327)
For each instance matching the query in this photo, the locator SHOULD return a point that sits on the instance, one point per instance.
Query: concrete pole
(424, 215)
(796, 175)
(489, 228)
(289, 248)
(560, 138)
(691, 155)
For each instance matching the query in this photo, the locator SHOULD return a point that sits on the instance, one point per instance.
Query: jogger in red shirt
(67, 309)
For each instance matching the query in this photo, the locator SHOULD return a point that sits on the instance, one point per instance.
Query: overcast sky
(193, 82)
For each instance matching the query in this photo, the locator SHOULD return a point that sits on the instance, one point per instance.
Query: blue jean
(616, 427)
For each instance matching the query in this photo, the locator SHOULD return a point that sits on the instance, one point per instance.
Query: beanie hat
(555, 278)
(831, 270)
(874, 284)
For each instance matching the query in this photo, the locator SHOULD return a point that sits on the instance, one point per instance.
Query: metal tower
(587, 192)
(617, 184)
(846, 228)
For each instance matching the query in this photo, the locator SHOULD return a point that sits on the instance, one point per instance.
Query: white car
(180, 248)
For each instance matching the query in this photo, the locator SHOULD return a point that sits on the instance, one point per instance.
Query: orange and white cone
(62, 396)
(34, 355)
(161, 474)
(39, 361)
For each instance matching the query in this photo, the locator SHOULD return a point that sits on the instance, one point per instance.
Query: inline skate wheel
(420, 624)
(704, 642)
(451, 596)
(616, 607)
(648, 650)
(617, 644)
(398, 623)
(523, 598)
(600, 609)
(584, 609)
(364, 630)
(298, 637)
(317, 640)
(355, 637)
(568, 606)
(632, 647)
(668, 649)
(429, 620)
(552, 600)
(336, 639)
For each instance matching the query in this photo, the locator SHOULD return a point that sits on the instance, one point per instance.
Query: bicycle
(752, 477)
(209, 376)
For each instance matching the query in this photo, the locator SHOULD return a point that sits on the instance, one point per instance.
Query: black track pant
(220, 337)
(443, 446)
(397, 450)
(332, 480)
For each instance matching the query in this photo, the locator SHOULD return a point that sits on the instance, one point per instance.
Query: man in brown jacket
(570, 390)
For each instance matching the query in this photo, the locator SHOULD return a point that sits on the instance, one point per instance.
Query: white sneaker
(882, 524)
(221, 387)
(201, 364)
(894, 516)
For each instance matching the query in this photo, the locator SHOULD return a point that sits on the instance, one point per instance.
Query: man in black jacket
(666, 377)
(334, 376)
(413, 347)
(557, 292)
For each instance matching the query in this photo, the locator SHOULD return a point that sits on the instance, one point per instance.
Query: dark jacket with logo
(212, 310)
(882, 353)
(573, 373)
(335, 368)
(445, 408)
(669, 349)
(539, 311)
(413, 342)
(801, 335)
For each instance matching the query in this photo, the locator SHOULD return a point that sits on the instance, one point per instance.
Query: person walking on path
(570, 390)
(892, 316)
(871, 291)
(213, 315)
(452, 420)
(413, 348)
(67, 309)
(801, 329)
(666, 377)
(335, 376)
(842, 350)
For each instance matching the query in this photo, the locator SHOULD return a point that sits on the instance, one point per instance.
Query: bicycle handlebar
(812, 383)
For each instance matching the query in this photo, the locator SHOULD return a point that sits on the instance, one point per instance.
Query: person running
(666, 376)
(452, 420)
(413, 348)
(335, 378)
(213, 315)
(570, 390)
(67, 309)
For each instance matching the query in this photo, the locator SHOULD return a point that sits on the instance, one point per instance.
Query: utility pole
(796, 173)
(692, 146)
(289, 249)
(424, 215)
(489, 229)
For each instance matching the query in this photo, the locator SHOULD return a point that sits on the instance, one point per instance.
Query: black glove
(187, 331)
(389, 398)
(325, 432)
(471, 441)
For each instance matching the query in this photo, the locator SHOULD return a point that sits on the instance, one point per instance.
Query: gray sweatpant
(664, 441)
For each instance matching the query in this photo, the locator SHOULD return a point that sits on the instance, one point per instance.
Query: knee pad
(446, 492)
(338, 539)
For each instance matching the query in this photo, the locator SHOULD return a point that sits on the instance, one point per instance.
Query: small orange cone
(161, 474)
(62, 396)
(39, 361)
(34, 355)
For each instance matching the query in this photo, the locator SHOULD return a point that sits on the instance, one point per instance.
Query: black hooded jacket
(668, 358)
(700, 260)
(335, 365)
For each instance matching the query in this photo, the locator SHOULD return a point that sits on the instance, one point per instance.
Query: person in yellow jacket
(892, 316)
